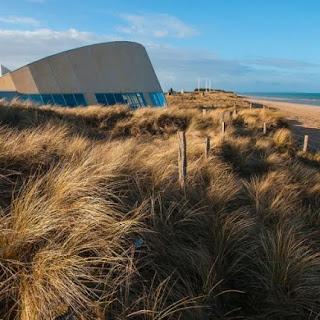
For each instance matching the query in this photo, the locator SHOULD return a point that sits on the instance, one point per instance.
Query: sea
(293, 97)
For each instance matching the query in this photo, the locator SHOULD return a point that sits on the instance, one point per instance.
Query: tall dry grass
(93, 224)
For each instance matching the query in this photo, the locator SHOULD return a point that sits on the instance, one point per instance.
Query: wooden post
(204, 112)
(207, 147)
(182, 158)
(235, 112)
(305, 143)
(223, 127)
(264, 128)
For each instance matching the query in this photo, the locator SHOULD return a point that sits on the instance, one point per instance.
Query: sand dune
(304, 119)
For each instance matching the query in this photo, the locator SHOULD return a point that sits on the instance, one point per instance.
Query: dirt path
(304, 120)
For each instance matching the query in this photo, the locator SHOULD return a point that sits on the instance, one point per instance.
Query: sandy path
(304, 119)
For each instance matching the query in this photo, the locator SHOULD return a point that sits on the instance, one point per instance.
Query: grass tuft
(94, 224)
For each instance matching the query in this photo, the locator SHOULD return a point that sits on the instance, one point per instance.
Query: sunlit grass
(94, 225)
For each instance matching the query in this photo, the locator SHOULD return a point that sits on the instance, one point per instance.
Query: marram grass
(93, 224)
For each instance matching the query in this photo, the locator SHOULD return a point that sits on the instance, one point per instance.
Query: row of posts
(182, 151)
(306, 137)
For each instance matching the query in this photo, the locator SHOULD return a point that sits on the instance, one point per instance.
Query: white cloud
(155, 25)
(180, 69)
(20, 20)
(21, 47)
(175, 67)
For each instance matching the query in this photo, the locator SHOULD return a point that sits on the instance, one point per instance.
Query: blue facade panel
(80, 99)
(110, 99)
(67, 100)
(8, 95)
(70, 100)
(158, 99)
(133, 99)
(59, 100)
(119, 98)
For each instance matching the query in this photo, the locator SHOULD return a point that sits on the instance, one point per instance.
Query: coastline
(310, 101)
(303, 118)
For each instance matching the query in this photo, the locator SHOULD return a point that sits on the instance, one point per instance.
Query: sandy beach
(304, 119)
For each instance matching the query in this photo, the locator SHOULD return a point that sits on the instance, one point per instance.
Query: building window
(141, 99)
(134, 100)
(158, 99)
(119, 98)
(125, 99)
(101, 99)
(70, 100)
(153, 99)
(58, 99)
(47, 99)
(8, 95)
(81, 101)
(23, 97)
(35, 98)
(110, 99)
(162, 99)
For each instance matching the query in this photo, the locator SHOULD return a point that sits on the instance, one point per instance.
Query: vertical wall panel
(6, 83)
(64, 74)
(44, 77)
(24, 81)
(85, 69)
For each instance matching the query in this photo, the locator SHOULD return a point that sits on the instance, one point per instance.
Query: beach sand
(304, 119)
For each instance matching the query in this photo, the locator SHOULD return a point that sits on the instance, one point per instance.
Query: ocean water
(302, 98)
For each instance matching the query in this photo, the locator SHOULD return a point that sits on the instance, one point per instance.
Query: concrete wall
(44, 78)
(102, 68)
(6, 83)
(23, 80)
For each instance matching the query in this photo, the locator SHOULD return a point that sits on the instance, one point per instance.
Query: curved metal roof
(112, 43)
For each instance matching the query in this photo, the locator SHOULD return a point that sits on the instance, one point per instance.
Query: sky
(240, 45)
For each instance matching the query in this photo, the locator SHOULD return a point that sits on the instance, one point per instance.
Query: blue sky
(242, 45)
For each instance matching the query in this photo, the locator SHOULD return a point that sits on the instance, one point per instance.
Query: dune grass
(94, 225)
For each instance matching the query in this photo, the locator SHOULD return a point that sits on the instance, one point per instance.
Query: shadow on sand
(300, 131)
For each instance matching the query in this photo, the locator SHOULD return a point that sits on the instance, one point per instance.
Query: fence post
(223, 127)
(235, 112)
(207, 147)
(305, 143)
(204, 112)
(182, 158)
(264, 128)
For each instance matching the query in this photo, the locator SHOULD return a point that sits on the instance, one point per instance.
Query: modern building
(107, 73)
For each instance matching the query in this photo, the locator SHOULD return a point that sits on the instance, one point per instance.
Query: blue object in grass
(138, 243)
